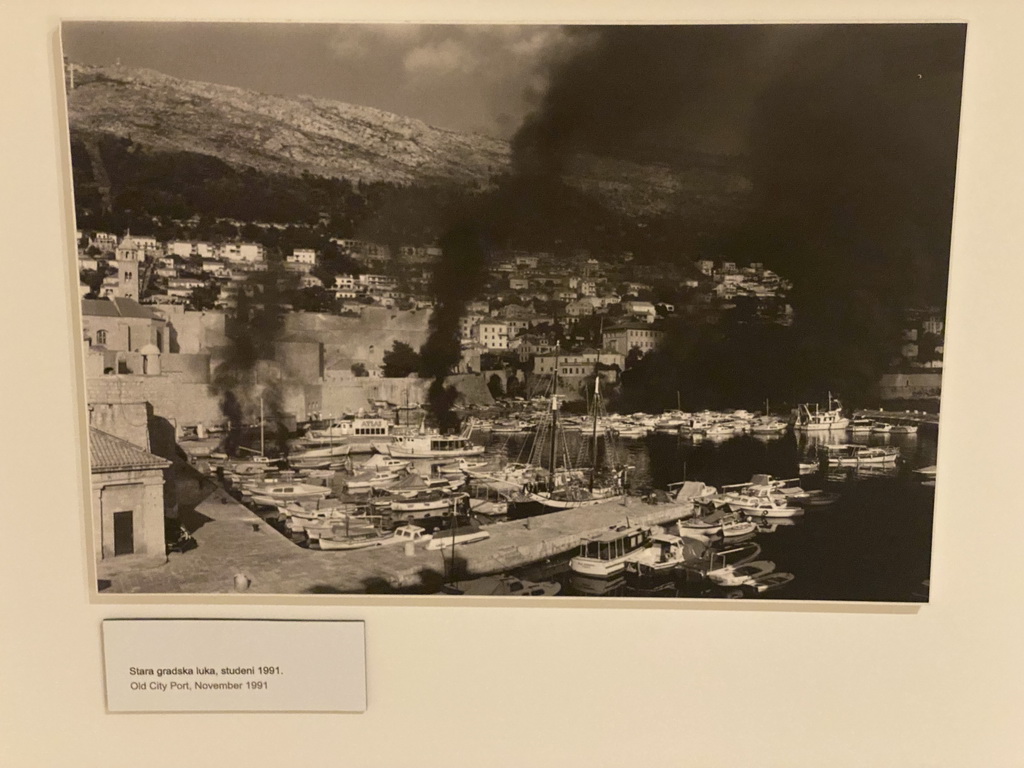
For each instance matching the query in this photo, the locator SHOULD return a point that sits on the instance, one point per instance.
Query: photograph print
(645, 311)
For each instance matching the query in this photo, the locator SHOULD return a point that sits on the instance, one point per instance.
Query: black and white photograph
(489, 310)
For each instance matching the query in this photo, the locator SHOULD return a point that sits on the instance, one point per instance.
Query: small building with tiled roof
(127, 498)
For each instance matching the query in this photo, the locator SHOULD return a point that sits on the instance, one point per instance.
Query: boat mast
(597, 395)
(554, 419)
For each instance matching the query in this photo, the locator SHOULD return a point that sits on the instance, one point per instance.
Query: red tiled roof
(110, 454)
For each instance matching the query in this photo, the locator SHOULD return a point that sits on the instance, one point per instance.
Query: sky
(482, 78)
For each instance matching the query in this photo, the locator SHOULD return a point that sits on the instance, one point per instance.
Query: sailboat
(569, 488)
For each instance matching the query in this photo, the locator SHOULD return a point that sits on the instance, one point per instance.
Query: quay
(234, 545)
(913, 417)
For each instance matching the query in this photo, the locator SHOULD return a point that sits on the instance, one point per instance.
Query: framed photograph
(453, 310)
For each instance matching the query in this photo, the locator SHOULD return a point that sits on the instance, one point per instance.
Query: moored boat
(821, 420)
(606, 554)
(851, 455)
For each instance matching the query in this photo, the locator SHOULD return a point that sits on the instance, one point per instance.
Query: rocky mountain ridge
(301, 134)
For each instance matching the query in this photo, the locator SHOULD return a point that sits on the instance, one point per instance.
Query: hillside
(293, 135)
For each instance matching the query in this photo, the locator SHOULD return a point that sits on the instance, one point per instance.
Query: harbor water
(872, 544)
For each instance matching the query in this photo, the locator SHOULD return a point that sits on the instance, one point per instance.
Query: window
(101, 337)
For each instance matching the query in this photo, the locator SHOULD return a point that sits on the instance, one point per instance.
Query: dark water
(873, 544)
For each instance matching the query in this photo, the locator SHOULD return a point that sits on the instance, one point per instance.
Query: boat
(348, 537)
(904, 429)
(927, 472)
(503, 586)
(769, 581)
(359, 435)
(758, 504)
(374, 479)
(850, 455)
(459, 534)
(663, 553)
(737, 575)
(881, 428)
(431, 501)
(569, 488)
(274, 494)
(860, 426)
(411, 534)
(768, 425)
(819, 420)
(736, 529)
(433, 445)
(605, 555)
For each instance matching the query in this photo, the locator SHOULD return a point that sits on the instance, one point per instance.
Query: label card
(197, 665)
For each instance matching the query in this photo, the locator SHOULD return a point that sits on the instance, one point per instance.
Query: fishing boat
(850, 455)
(860, 426)
(606, 555)
(821, 420)
(881, 428)
(433, 445)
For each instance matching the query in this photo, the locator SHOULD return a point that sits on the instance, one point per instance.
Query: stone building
(127, 498)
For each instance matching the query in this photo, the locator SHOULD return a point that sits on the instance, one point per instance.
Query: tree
(359, 370)
(494, 385)
(204, 297)
(400, 361)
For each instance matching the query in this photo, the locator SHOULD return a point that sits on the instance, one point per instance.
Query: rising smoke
(848, 134)
(245, 379)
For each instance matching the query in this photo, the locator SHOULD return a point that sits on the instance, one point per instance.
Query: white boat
(861, 455)
(881, 428)
(405, 534)
(928, 472)
(319, 453)
(433, 446)
(274, 494)
(606, 555)
(373, 480)
(359, 435)
(735, 529)
(431, 501)
(768, 425)
(737, 575)
(821, 420)
(663, 553)
(348, 537)
(758, 504)
(462, 534)
(904, 429)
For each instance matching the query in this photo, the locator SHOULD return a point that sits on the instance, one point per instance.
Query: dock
(235, 545)
(907, 417)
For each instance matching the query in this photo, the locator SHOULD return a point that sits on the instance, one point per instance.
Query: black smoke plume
(243, 378)
(848, 134)
(458, 277)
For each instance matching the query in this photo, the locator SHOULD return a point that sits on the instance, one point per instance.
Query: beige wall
(138, 491)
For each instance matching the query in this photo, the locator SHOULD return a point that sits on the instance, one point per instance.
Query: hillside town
(598, 310)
